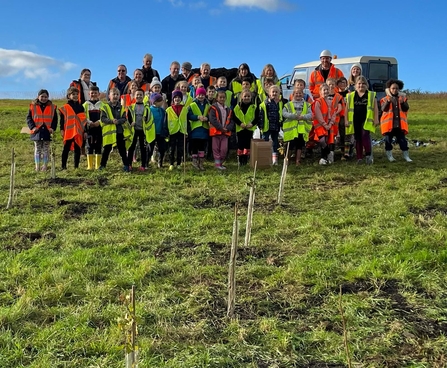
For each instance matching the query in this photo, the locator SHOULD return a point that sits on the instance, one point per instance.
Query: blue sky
(45, 45)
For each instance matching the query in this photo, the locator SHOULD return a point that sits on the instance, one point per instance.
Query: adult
(187, 71)
(120, 82)
(168, 83)
(243, 73)
(83, 84)
(205, 77)
(148, 72)
(139, 80)
(322, 72)
(269, 73)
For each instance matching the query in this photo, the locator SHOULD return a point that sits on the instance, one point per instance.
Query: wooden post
(251, 201)
(53, 163)
(345, 332)
(131, 356)
(11, 180)
(184, 153)
(232, 267)
(283, 175)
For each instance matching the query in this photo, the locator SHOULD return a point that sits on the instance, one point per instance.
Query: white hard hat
(326, 53)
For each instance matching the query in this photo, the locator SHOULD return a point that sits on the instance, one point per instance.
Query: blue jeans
(274, 135)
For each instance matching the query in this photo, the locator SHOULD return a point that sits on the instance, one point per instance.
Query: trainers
(126, 169)
(43, 168)
(142, 168)
(369, 160)
(102, 167)
(171, 167)
(322, 161)
(359, 161)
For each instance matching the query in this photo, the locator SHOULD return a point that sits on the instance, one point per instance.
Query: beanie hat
(155, 97)
(201, 91)
(187, 65)
(177, 93)
(155, 81)
(42, 92)
(358, 66)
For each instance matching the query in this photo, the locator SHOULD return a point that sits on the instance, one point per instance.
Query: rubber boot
(97, 161)
(195, 162)
(389, 156)
(330, 157)
(274, 159)
(201, 163)
(406, 156)
(89, 162)
(298, 157)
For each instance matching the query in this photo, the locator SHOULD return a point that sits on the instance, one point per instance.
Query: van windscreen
(378, 71)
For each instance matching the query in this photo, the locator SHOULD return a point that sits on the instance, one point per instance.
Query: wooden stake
(251, 201)
(132, 357)
(53, 163)
(184, 154)
(232, 267)
(283, 175)
(345, 332)
(11, 180)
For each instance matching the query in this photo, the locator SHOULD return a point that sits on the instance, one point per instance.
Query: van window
(299, 74)
(378, 71)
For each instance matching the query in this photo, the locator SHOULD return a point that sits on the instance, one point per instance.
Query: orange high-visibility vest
(127, 100)
(74, 125)
(41, 118)
(386, 120)
(213, 130)
(316, 80)
(318, 129)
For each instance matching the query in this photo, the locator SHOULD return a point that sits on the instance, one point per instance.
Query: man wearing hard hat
(322, 72)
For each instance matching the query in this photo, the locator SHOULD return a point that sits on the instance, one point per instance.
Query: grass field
(369, 238)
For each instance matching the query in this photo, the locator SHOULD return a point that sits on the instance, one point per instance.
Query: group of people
(197, 113)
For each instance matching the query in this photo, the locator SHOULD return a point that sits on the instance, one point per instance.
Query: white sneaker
(322, 161)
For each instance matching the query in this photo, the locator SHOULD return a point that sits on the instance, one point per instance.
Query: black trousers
(176, 143)
(140, 137)
(121, 145)
(66, 151)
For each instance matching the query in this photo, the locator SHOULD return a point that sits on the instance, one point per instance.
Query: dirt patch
(74, 210)
(428, 212)
(442, 184)
(421, 325)
(213, 202)
(66, 182)
(24, 240)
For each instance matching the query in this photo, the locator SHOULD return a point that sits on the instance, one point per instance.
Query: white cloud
(176, 3)
(268, 5)
(31, 65)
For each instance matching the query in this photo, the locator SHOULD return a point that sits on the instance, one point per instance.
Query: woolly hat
(177, 93)
(155, 97)
(201, 91)
(358, 66)
(187, 65)
(155, 81)
(43, 92)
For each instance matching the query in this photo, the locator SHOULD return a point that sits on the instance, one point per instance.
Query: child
(211, 98)
(322, 122)
(42, 122)
(245, 118)
(161, 126)
(140, 119)
(362, 116)
(186, 98)
(245, 84)
(270, 119)
(336, 108)
(177, 121)
(129, 98)
(194, 85)
(263, 93)
(92, 109)
(220, 129)
(297, 114)
(393, 122)
(222, 84)
(198, 128)
(301, 84)
(72, 125)
(115, 129)
(346, 141)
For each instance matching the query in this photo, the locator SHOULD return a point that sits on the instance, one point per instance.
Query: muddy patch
(441, 184)
(421, 326)
(23, 240)
(66, 182)
(424, 216)
(74, 210)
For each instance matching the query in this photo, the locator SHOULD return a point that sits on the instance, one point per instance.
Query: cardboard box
(261, 151)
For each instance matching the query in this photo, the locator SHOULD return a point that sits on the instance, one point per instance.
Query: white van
(377, 69)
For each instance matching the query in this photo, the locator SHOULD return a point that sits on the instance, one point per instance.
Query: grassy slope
(377, 232)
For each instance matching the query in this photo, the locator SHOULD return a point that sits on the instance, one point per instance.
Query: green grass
(71, 247)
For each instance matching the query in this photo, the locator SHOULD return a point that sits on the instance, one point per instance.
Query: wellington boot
(406, 156)
(97, 161)
(389, 156)
(89, 162)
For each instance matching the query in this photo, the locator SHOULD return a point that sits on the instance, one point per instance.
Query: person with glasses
(120, 81)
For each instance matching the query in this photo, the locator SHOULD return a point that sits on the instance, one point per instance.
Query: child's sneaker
(322, 161)
(43, 168)
(142, 168)
(126, 168)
